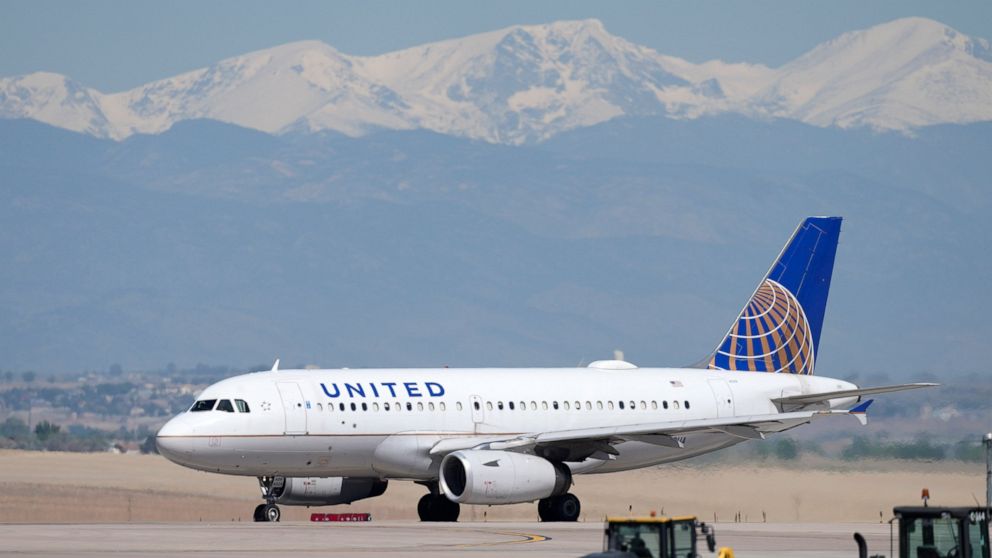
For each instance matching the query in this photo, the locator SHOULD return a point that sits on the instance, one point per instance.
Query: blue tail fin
(779, 328)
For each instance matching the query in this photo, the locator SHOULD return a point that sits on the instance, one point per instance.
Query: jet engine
(501, 477)
(324, 491)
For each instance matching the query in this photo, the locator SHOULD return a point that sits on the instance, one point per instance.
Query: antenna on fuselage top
(275, 366)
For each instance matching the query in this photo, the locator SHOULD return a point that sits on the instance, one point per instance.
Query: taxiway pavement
(405, 539)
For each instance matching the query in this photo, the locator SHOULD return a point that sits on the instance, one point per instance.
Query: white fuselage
(383, 423)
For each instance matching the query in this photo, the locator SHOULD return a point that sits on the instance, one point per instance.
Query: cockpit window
(225, 405)
(242, 406)
(203, 405)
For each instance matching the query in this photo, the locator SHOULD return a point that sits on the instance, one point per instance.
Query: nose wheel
(267, 512)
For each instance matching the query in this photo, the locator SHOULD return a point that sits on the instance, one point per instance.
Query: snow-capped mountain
(528, 83)
(899, 75)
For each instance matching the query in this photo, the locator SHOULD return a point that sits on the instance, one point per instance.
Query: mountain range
(538, 195)
(528, 83)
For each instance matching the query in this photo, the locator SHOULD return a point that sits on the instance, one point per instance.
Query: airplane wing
(797, 402)
(585, 442)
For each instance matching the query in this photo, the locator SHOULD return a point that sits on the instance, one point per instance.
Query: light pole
(987, 440)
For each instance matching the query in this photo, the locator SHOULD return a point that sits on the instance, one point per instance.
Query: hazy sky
(115, 45)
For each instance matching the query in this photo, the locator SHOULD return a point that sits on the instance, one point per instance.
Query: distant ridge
(528, 83)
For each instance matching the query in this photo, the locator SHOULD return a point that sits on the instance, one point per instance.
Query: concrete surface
(405, 538)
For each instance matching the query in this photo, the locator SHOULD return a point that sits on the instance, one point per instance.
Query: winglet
(861, 411)
(275, 366)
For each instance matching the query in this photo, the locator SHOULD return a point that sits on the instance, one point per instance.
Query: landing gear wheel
(559, 508)
(434, 508)
(271, 512)
(260, 513)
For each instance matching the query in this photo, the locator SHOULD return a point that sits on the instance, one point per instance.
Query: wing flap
(813, 398)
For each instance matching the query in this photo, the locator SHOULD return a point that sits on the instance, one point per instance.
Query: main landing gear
(559, 508)
(268, 511)
(437, 507)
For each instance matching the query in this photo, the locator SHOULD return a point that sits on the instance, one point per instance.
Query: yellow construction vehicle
(656, 537)
(936, 532)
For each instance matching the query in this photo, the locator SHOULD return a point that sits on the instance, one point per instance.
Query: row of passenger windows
(578, 406)
(386, 406)
(220, 405)
(510, 405)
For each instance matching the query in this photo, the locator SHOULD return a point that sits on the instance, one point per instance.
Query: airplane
(505, 436)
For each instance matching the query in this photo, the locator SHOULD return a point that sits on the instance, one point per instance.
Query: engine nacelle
(325, 491)
(501, 477)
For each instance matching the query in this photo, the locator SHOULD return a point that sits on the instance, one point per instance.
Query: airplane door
(478, 414)
(724, 398)
(294, 407)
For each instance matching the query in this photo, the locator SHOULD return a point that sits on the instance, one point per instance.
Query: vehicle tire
(544, 509)
(271, 512)
(451, 510)
(427, 508)
(260, 513)
(566, 508)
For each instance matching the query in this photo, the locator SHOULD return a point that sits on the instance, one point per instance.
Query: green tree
(787, 449)
(45, 430)
(28, 376)
(14, 429)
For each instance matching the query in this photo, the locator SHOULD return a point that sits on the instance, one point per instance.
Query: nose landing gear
(269, 511)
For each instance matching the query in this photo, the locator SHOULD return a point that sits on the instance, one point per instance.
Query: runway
(405, 538)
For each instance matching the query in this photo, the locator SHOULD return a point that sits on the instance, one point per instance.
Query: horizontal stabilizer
(801, 400)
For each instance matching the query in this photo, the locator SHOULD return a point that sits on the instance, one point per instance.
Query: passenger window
(567, 406)
(687, 405)
(420, 406)
(409, 406)
(442, 406)
(341, 406)
(353, 407)
(225, 405)
(458, 405)
(654, 405)
(474, 404)
(599, 405)
(609, 405)
(544, 405)
(621, 405)
(320, 407)
(385, 406)
(675, 405)
(632, 406)
(555, 405)
(664, 404)
(365, 406)
(430, 406)
(489, 405)
(499, 405)
(203, 405)
(242, 406)
(523, 405)
(375, 407)
(578, 405)
(512, 407)
(643, 405)
(533, 405)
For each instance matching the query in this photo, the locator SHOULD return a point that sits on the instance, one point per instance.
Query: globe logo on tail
(772, 334)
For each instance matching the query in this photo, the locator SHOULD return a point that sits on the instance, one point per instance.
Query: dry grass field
(103, 487)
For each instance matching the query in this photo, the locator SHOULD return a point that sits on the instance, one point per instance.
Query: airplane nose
(173, 440)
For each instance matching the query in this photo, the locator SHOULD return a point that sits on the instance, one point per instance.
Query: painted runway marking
(525, 538)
